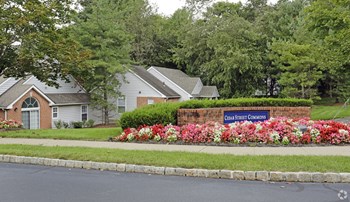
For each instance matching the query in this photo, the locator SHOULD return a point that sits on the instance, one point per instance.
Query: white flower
(314, 132)
(343, 132)
(274, 135)
(258, 127)
(297, 133)
(131, 137)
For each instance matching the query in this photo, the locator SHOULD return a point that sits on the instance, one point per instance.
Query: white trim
(81, 112)
(125, 104)
(70, 104)
(150, 99)
(190, 96)
(29, 110)
(30, 78)
(29, 89)
(55, 112)
(162, 95)
(6, 115)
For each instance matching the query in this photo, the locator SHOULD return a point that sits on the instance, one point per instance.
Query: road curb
(315, 177)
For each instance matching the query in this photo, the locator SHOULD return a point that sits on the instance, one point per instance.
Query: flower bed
(10, 124)
(279, 131)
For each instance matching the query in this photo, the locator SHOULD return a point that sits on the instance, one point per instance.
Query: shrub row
(166, 113)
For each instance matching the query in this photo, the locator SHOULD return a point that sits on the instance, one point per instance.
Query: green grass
(319, 112)
(186, 160)
(94, 134)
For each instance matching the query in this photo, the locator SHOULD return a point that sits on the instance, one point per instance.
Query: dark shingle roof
(209, 91)
(13, 93)
(69, 98)
(180, 78)
(156, 83)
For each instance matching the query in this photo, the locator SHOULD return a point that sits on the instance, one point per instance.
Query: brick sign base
(201, 116)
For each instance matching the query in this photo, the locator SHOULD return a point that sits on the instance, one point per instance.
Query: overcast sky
(168, 7)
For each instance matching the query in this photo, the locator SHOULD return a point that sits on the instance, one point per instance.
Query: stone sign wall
(200, 116)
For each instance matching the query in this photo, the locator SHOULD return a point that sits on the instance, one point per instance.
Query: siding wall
(68, 114)
(71, 87)
(135, 88)
(184, 95)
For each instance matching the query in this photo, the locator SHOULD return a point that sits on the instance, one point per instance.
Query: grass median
(93, 134)
(319, 112)
(186, 159)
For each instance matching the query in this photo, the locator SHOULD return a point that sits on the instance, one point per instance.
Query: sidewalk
(311, 151)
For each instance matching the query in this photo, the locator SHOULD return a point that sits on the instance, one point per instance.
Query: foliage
(329, 20)
(6, 124)
(58, 124)
(166, 113)
(100, 29)
(89, 123)
(77, 124)
(34, 39)
(274, 131)
(149, 115)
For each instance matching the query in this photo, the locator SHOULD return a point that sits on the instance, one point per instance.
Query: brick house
(38, 105)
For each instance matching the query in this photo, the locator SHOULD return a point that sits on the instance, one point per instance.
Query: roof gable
(178, 77)
(154, 82)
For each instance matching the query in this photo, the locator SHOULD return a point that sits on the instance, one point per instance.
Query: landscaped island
(276, 131)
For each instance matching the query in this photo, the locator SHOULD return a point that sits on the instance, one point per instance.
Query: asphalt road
(29, 183)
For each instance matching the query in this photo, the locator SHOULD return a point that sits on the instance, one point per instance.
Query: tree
(299, 69)
(329, 20)
(100, 29)
(34, 40)
(222, 49)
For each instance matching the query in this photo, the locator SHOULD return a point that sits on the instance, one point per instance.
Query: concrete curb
(315, 177)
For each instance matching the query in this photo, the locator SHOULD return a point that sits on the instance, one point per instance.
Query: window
(150, 101)
(30, 103)
(121, 104)
(54, 112)
(84, 112)
(31, 113)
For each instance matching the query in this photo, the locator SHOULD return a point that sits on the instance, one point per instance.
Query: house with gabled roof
(188, 87)
(38, 105)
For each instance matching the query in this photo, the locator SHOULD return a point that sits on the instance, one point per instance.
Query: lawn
(93, 134)
(319, 112)
(187, 160)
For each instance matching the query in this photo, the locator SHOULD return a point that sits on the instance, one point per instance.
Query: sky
(168, 7)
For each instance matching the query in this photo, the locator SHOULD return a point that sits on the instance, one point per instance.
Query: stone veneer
(203, 115)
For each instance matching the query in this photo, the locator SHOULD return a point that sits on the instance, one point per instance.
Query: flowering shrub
(274, 131)
(6, 124)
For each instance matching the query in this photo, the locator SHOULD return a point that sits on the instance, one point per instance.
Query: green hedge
(166, 113)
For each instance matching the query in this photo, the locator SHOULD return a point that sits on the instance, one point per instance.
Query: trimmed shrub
(89, 123)
(58, 124)
(166, 113)
(77, 124)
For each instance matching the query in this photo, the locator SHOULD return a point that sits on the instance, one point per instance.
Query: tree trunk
(106, 108)
(302, 91)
